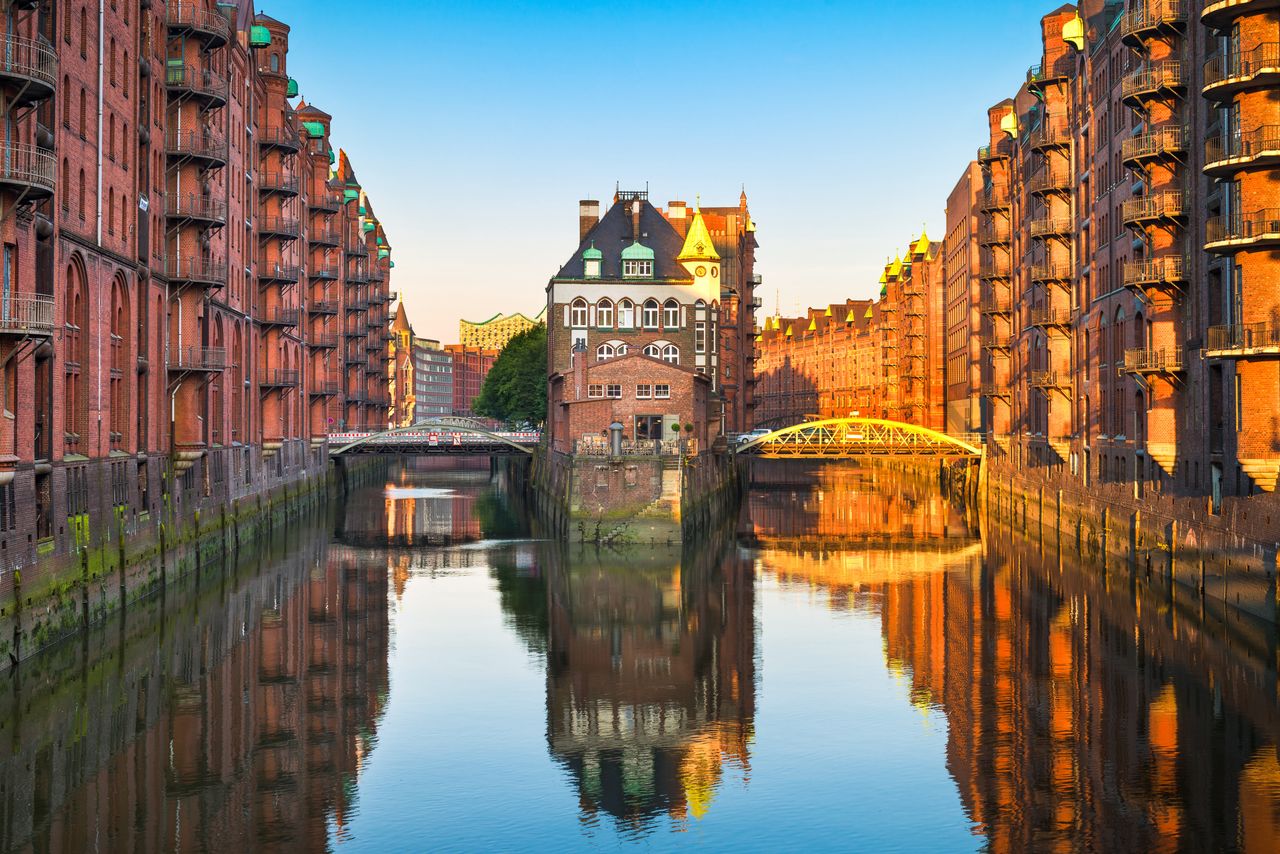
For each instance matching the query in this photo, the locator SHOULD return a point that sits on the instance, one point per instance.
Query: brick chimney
(580, 371)
(588, 216)
(635, 220)
(678, 216)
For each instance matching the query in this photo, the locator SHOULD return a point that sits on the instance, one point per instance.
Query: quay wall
(110, 555)
(1229, 556)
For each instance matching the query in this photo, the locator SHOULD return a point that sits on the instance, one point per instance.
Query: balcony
(284, 138)
(27, 170)
(197, 145)
(1049, 135)
(202, 272)
(996, 343)
(326, 202)
(326, 307)
(278, 182)
(28, 70)
(1046, 181)
(1002, 150)
(1154, 81)
(324, 237)
(994, 199)
(325, 389)
(1049, 380)
(205, 210)
(356, 249)
(1163, 273)
(996, 305)
(1243, 341)
(355, 330)
(993, 267)
(994, 390)
(392, 296)
(1220, 13)
(323, 341)
(1053, 226)
(196, 359)
(357, 277)
(1052, 273)
(191, 82)
(1164, 143)
(1050, 318)
(193, 19)
(26, 314)
(324, 271)
(1225, 155)
(1043, 75)
(1230, 73)
(277, 274)
(1153, 19)
(992, 233)
(279, 378)
(1157, 361)
(279, 316)
(1226, 234)
(1161, 209)
(281, 227)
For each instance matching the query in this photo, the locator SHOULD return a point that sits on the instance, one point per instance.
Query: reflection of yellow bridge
(837, 438)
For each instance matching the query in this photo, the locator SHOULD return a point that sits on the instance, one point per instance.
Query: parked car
(752, 435)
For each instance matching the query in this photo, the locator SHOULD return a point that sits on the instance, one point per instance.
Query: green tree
(515, 391)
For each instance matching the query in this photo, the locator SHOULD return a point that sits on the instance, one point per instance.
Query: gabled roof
(613, 234)
(400, 323)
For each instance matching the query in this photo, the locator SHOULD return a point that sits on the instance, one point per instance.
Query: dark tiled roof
(613, 233)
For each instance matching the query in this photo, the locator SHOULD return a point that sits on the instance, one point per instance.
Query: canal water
(855, 667)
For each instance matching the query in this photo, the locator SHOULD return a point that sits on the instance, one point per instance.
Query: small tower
(699, 257)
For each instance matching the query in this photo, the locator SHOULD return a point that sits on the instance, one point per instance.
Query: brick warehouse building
(470, 367)
(195, 284)
(652, 302)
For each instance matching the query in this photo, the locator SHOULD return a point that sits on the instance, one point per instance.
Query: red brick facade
(181, 274)
(470, 367)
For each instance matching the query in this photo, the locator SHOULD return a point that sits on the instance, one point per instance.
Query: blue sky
(476, 127)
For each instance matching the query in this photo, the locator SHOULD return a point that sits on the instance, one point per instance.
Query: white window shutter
(566, 315)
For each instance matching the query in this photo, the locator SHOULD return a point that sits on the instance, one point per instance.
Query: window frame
(613, 391)
(604, 309)
(671, 315)
(662, 391)
(644, 391)
(578, 304)
(656, 307)
(595, 391)
(671, 354)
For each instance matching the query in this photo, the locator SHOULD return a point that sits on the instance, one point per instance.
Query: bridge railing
(418, 437)
(593, 446)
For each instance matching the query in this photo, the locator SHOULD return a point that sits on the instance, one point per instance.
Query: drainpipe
(98, 266)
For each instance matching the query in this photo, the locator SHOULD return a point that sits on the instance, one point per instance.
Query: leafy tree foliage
(515, 391)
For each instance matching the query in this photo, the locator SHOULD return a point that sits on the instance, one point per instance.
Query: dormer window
(637, 269)
(591, 259)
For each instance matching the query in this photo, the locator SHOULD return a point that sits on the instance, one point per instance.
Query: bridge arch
(453, 425)
(858, 437)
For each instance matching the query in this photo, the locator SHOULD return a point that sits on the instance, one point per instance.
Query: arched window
(653, 351)
(111, 211)
(83, 115)
(84, 32)
(111, 137)
(275, 62)
(626, 314)
(125, 76)
(66, 87)
(671, 353)
(82, 194)
(651, 314)
(604, 314)
(65, 184)
(578, 312)
(604, 351)
(671, 314)
(113, 61)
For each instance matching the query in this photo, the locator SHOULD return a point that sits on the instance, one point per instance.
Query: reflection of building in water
(235, 723)
(1083, 710)
(651, 679)
(839, 500)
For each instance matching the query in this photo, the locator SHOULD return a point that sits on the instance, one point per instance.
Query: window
(662, 391)
(591, 268)
(644, 391)
(653, 351)
(700, 337)
(671, 353)
(578, 312)
(595, 390)
(651, 314)
(626, 315)
(671, 314)
(637, 269)
(604, 314)
(605, 351)
(613, 390)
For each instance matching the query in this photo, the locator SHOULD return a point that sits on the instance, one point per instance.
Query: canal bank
(1229, 556)
(118, 560)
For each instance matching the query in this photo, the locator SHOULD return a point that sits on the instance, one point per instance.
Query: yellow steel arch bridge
(841, 438)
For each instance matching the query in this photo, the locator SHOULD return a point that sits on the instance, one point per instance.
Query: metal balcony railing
(324, 237)
(278, 315)
(1059, 68)
(1161, 142)
(25, 314)
(1243, 338)
(324, 307)
(1168, 205)
(1050, 180)
(1236, 150)
(1169, 269)
(205, 146)
(996, 305)
(995, 198)
(30, 67)
(323, 341)
(196, 358)
(325, 202)
(996, 390)
(993, 268)
(1228, 71)
(279, 226)
(278, 182)
(1054, 226)
(1152, 79)
(1155, 16)
(196, 80)
(325, 388)
(1048, 379)
(280, 378)
(192, 206)
(280, 137)
(993, 232)
(28, 168)
(1220, 13)
(202, 270)
(1047, 317)
(1148, 361)
(1050, 135)
(1051, 273)
(1259, 226)
(1002, 150)
(195, 18)
(272, 272)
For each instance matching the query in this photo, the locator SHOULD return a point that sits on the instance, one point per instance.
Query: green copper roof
(369, 226)
(315, 130)
(884, 291)
(384, 253)
(637, 252)
(592, 253)
(333, 158)
(259, 36)
(350, 195)
(379, 241)
(393, 263)
(361, 211)
(292, 90)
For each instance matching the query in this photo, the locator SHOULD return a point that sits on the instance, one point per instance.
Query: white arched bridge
(843, 438)
(459, 436)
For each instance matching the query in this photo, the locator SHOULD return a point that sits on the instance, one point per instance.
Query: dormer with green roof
(592, 258)
(637, 261)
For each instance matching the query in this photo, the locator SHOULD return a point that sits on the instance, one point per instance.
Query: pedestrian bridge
(448, 436)
(844, 438)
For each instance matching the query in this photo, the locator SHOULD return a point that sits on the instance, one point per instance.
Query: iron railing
(192, 206)
(196, 358)
(198, 80)
(1051, 226)
(280, 137)
(1143, 360)
(1049, 316)
(280, 226)
(195, 17)
(1243, 146)
(1048, 379)
(206, 146)
(280, 378)
(1049, 135)
(1228, 68)
(1161, 141)
(26, 313)
(278, 182)
(1152, 16)
(1154, 77)
(28, 165)
(1259, 225)
(29, 60)
(1051, 272)
(1169, 204)
(1244, 337)
(1166, 269)
(196, 270)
